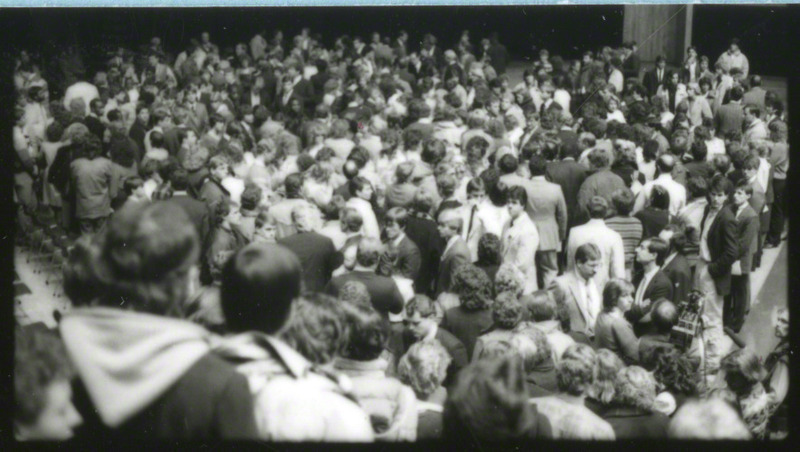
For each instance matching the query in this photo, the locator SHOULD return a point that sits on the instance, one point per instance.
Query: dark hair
(675, 371)
(254, 271)
(489, 249)
(421, 304)
(315, 328)
(507, 164)
(251, 197)
(613, 291)
(659, 197)
(720, 184)
(538, 165)
(433, 151)
(517, 193)
(367, 334)
(597, 207)
(179, 179)
(473, 287)
(541, 306)
(623, 201)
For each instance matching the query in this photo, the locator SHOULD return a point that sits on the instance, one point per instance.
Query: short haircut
(351, 220)
(707, 419)
(315, 328)
(745, 363)
(367, 332)
(509, 278)
(657, 246)
(614, 290)
(507, 164)
(635, 387)
(537, 165)
(179, 179)
(404, 171)
(665, 315)
(623, 201)
(251, 197)
(423, 202)
(659, 197)
(699, 150)
(256, 270)
(697, 187)
(541, 306)
(518, 194)
(397, 215)
(357, 184)
(489, 249)
(587, 252)
(217, 161)
(421, 304)
(577, 369)
(507, 310)
(720, 184)
(369, 251)
(447, 185)
(598, 207)
(473, 287)
(424, 367)
(433, 151)
(451, 216)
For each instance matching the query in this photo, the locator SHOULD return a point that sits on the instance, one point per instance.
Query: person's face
(661, 64)
(494, 107)
(749, 173)
(625, 301)
(703, 65)
(692, 53)
(366, 192)
(446, 229)
(144, 116)
(393, 229)
(266, 234)
(58, 417)
(249, 118)
(515, 208)
(587, 59)
(717, 199)
(505, 104)
(589, 268)
(643, 255)
(734, 48)
(220, 172)
(152, 60)
(740, 197)
(418, 326)
(674, 79)
(475, 197)
(191, 138)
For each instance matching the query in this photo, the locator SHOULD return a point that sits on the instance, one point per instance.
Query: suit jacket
(755, 95)
(582, 315)
(456, 256)
(383, 291)
(612, 250)
(722, 246)
(660, 286)
(520, 242)
(407, 258)
(728, 118)
(400, 195)
(466, 325)
(570, 175)
(679, 273)
(548, 209)
(424, 233)
(651, 82)
(197, 212)
(317, 256)
(213, 194)
(747, 225)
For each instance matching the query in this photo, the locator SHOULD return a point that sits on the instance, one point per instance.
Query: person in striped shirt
(627, 226)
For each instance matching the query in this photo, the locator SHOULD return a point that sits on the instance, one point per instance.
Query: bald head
(665, 315)
(665, 163)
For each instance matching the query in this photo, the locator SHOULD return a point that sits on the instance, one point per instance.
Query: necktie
(471, 218)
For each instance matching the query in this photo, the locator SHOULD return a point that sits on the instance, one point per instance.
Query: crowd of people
(378, 242)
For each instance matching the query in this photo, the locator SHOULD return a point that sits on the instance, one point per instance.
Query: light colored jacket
(612, 250)
(520, 242)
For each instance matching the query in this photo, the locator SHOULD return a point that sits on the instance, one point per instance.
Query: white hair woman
(424, 368)
(632, 414)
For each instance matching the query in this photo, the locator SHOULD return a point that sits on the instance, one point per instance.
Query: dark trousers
(777, 218)
(737, 302)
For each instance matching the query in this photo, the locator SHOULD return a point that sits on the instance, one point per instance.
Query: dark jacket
(454, 348)
(651, 82)
(318, 257)
(723, 246)
(383, 291)
(424, 233)
(659, 287)
(699, 169)
(451, 260)
(197, 212)
(466, 325)
(728, 118)
(679, 273)
(653, 221)
(630, 422)
(570, 175)
(406, 258)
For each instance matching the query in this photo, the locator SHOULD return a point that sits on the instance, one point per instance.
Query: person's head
(253, 271)
(661, 61)
(218, 167)
(653, 249)
(635, 387)
(597, 207)
(509, 278)
(742, 194)
(516, 200)
(707, 419)
(315, 328)
(490, 401)
(361, 188)
(577, 370)
(540, 306)
(43, 409)
(302, 217)
(147, 259)
(623, 201)
(395, 222)
(618, 294)
(351, 220)
(780, 322)
(665, 315)
(450, 223)
(588, 260)
(473, 287)
(675, 372)
(675, 235)
(367, 334)
(507, 311)
(737, 93)
(659, 197)
(489, 249)
(719, 191)
(446, 185)
(420, 316)
(424, 367)
(743, 369)
(608, 366)
(598, 159)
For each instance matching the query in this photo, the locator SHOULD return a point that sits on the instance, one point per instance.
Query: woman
(632, 415)
(777, 365)
(677, 379)
(612, 329)
(655, 216)
(473, 316)
(424, 368)
(94, 185)
(601, 394)
(507, 312)
(489, 257)
(744, 375)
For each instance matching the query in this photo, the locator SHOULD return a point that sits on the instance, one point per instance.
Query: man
(212, 192)
(543, 311)
(422, 229)
(94, 120)
(383, 291)
(734, 58)
(737, 302)
(676, 266)
(756, 95)
(754, 128)
(603, 182)
(498, 55)
(654, 284)
(718, 251)
(729, 117)
(421, 325)
(677, 192)
(582, 297)
(455, 253)
(548, 210)
(570, 175)
(692, 217)
(664, 317)
(699, 166)
(282, 210)
(405, 254)
(631, 63)
(655, 77)
(608, 241)
(520, 238)
(317, 255)
(196, 210)
(779, 159)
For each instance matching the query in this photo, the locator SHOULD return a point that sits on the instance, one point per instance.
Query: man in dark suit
(653, 285)
(195, 209)
(569, 174)
(405, 255)
(699, 166)
(423, 231)
(383, 291)
(676, 266)
(93, 121)
(730, 117)
(316, 252)
(656, 77)
(665, 316)
(737, 302)
(456, 253)
(421, 325)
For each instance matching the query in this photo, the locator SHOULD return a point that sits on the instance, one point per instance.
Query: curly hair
(424, 367)
(675, 372)
(543, 349)
(315, 328)
(509, 279)
(489, 249)
(473, 287)
(577, 369)
(635, 387)
(608, 365)
(367, 333)
(356, 293)
(506, 311)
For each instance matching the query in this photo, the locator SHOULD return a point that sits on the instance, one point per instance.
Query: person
(486, 211)
(422, 229)
(602, 182)
(676, 265)
(744, 374)
(632, 415)
(707, 419)
(729, 117)
(576, 374)
(507, 314)
(570, 175)
(664, 316)
(406, 258)
(653, 285)
(473, 315)
(384, 293)
(146, 257)
(521, 238)
(612, 329)
(420, 325)
(544, 313)
(455, 253)
(657, 76)
(424, 368)
(692, 217)
(665, 164)
(489, 255)
(754, 128)
(777, 366)
(317, 254)
(581, 295)
(627, 226)
(656, 215)
(548, 209)
(601, 394)
(391, 405)
(361, 192)
(282, 210)
(42, 393)
(733, 58)
(779, 160)
(737, 302)
(607, 241)
(676, 376)
(291, 403)
(94, 185)
(196, 210)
